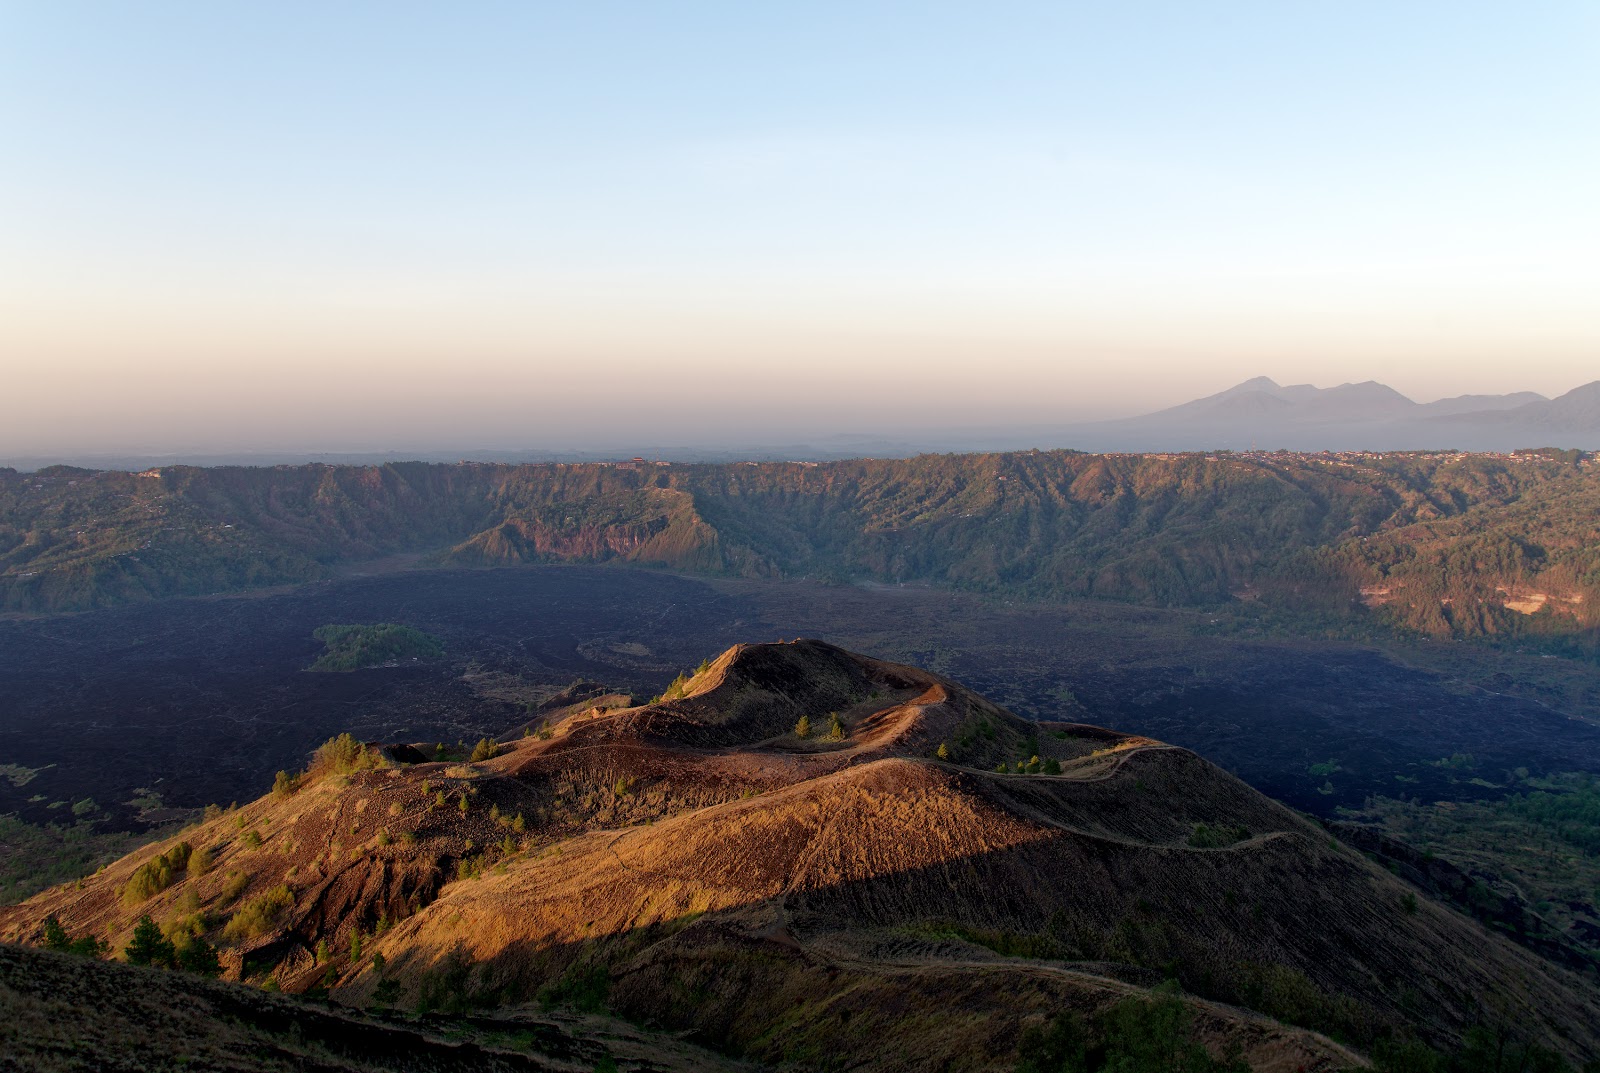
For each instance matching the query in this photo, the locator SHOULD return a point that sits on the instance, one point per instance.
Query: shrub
(156, 875)
(199, 956)
(584, 988)
(1205, 837)
(835, 727)
(251, 839)
(1059, 1046)
(237, 882)
(342, 756)
(56, 938)
(1154, 1037)
(200, 862)
(943, 752)
(149, 946)
(1052, 766)
(258, 915)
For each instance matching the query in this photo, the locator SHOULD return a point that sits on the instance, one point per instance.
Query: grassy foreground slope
(1447, 544)
(917, 881)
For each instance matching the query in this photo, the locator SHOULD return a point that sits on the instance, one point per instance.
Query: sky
(434, 226)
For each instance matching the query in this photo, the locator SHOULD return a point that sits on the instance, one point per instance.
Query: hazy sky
(359, 226)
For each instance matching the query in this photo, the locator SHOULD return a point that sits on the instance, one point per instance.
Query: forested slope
(1440, 542)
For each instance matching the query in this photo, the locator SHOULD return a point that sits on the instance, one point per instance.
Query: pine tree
(944, 751)
(55, 936)
(802, 729)
(200, 957)
(835, 726)
(149, 946)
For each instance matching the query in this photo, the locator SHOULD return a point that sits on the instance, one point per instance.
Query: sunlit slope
(700, 865)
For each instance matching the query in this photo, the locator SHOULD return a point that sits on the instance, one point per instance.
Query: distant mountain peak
(1255, 383)
(1363, 415)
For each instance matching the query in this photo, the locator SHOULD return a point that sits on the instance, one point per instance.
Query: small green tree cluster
(1487, 1049)
(191, 953)
(677, 688)
(353, 647)
(1134, 1036)
(56, 938)
(258, 915)
(156, 875)
(344, 755)
(585, 988)
(486, 749)
(836, 731)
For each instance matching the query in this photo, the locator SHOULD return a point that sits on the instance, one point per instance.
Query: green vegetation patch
(33, 857)
(1134, 1036)
(1543, 845)
(259, 915)
(156, 875)
(1204, 836)
(351, 648)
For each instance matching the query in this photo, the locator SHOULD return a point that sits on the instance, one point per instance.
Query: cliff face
(699, 864)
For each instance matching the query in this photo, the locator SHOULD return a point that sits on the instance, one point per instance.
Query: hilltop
(916, 882)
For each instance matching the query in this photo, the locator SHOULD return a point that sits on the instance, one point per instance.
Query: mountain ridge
(1368, 416)
(1443, 544)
